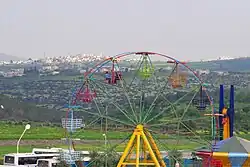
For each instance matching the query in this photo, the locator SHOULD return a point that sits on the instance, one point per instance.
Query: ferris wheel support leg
(126, 151)
(138, 151)
(130, 152)
(144, 151)
(155, 148)
(151, 152)
(141, 141)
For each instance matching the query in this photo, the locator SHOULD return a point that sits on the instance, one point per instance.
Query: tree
(174, 156)
(95, 159)
(110, 158)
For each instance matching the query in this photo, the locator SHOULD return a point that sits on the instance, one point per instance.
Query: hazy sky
(185, 29)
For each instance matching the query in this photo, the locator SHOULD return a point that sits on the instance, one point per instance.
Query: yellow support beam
(226, 125)
(138, 151)
(155, 148)
(142, 141)
(126, 151)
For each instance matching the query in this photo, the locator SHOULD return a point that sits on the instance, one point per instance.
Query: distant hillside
(234, 65)
(5, 57)
(19, 111)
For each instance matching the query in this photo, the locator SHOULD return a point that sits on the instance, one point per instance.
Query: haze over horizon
(188, 30)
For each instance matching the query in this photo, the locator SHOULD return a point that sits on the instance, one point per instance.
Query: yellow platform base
(141, 150)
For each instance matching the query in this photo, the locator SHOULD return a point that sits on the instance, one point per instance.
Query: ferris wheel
(162, 103)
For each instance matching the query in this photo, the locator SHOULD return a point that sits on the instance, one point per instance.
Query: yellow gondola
(146, 70)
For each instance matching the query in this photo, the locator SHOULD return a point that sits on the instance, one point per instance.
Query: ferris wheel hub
(139, 127)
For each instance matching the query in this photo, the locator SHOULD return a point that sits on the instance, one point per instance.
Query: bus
(25, 159)
(47, 150)
(48, 163)
(44, 156)
(56, 151)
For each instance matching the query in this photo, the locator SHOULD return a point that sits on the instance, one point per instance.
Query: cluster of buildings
(12, 73)
(53, 65)
(47, 65)
(79, 58)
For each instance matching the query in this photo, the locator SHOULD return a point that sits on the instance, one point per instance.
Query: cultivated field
(49, 136)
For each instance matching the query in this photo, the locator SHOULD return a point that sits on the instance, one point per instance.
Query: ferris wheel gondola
(85, 94)
(179, 78)
(202, 101)
(147, 68)
(115, 74)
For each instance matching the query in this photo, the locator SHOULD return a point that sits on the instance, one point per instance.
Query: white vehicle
(48, 163)
(55, 151)
(46, 150)
(47, 156)
(25, 159)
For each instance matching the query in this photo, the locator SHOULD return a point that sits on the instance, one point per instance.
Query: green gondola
(146, 70)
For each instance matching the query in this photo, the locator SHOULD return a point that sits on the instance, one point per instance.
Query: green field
(13, 132)
(119, 147)
(100, 146)
(93, 139)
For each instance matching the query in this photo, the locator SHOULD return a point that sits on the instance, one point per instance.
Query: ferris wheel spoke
(126, 88)
(171, 156)
(108, 117)
(152, 106)
(129, 101)
(146, 114)
(136, 72)
(165, 148)
(173, 121)
(97, 107)
(141, 108)
(123, 111)
(158, 94)
(171, 104)
(185, 110)
(93, 122)
(199, 142)
(176, 116)
(189, 104)
(194, 133)
(107, 151)
(154, 73)
(159, 114)
(89, 125)
(142, 91)
(102, 88)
